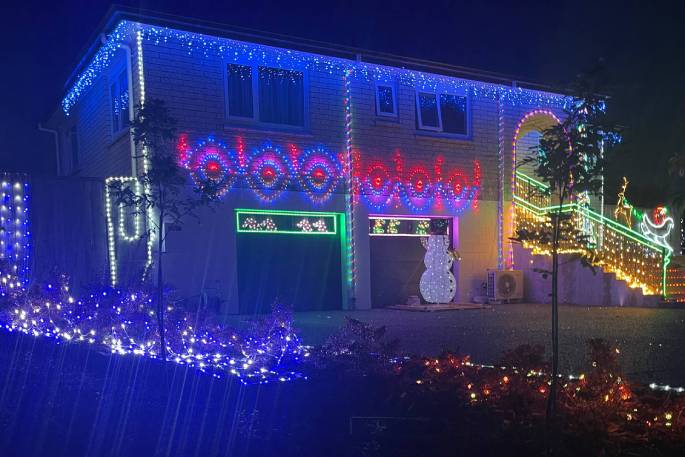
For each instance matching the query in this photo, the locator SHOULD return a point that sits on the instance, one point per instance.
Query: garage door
(293, 258)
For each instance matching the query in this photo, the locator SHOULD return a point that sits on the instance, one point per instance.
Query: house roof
(116, 14)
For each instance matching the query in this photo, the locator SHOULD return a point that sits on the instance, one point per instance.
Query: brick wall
(381, 137)
(193, 85)
(101, 153)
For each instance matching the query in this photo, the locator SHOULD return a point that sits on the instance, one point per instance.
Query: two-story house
(330, 162)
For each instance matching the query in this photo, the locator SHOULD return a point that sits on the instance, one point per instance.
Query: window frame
(393, 88)
(255, 88)
(114, 81)
(419, 117)
(255, 119)
(438, 92)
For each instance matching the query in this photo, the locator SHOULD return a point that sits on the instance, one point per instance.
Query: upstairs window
(266, 94)
(240, 102)
(386, 100)
(119, 98)
(442, 112)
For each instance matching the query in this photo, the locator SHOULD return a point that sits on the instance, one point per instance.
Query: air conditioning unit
(505, 285)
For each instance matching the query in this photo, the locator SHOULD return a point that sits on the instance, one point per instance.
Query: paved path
(652, 341)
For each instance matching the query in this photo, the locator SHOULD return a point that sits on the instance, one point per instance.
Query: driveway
(652, 341)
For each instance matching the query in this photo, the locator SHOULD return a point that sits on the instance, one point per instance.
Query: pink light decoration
(414, 187)
(209, 161)
(268, 173)
(517, 135)
(318, 172)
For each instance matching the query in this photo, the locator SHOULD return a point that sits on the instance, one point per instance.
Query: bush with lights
(124, 322)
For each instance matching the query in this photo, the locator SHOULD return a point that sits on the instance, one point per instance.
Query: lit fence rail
(620, 250)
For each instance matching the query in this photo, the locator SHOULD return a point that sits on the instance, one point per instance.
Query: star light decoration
(125, 323)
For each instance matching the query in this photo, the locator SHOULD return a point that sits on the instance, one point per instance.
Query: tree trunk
(552, 398)
(160, 287)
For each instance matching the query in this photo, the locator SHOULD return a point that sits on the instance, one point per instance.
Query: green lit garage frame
(287, 222)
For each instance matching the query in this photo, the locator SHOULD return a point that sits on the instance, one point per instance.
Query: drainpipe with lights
(57, 155)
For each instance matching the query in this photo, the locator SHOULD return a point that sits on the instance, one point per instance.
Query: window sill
(277, 129)
(442, 135)
(387, 120)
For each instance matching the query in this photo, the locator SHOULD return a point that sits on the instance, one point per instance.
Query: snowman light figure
(437, 282)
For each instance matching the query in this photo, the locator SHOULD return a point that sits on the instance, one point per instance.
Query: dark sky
(642, 44)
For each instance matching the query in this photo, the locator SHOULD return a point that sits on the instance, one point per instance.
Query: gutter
(57, 154)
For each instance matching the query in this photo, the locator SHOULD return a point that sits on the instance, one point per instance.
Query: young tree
(676, 169)
(569, 159)
(165, 194)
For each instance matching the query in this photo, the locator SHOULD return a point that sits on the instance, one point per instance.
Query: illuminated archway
(528, 129)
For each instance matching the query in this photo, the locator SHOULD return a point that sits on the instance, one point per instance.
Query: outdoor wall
(192, 85)
(202, 257)
(578, 285)
(101, 152)
(196, 97)
(191, 80)
(67, 222)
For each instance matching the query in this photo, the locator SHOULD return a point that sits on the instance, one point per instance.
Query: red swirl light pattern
(416, 188)
(317, 172)
(210, 162)
(377, 185)
(268, 173)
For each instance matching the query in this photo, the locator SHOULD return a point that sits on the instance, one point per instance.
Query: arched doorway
(526, 137)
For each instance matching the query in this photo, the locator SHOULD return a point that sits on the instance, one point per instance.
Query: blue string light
(125, 323)
(15, 236)
(205, 46)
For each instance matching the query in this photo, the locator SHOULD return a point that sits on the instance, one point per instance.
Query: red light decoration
(416, 188)
(268, 173)
(209, 161)
(319, 173)
(659, 215)
(378, 185)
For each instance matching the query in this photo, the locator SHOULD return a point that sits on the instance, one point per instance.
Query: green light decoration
(422, 228)
(402, 226)
(614, 251)
(283, 222)
(378, 226)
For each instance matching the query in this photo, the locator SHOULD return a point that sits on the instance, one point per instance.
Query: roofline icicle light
(234, 50)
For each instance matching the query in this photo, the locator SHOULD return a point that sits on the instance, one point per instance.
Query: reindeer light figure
(624, 210)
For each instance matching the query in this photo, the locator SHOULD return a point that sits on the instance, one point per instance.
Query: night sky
(641, 44)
